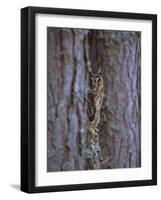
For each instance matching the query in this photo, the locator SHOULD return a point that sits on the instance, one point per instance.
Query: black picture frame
(28, 98)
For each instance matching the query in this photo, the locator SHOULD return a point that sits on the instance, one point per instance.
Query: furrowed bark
(69, 56)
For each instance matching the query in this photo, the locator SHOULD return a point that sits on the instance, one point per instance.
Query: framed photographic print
(88, 99)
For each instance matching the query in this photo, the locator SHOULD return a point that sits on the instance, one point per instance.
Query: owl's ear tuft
(90, 70)
(99, 70)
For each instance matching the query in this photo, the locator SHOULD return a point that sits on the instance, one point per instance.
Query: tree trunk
(70, 52)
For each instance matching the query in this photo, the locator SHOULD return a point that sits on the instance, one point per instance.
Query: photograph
(93, 99)
(89, 99)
